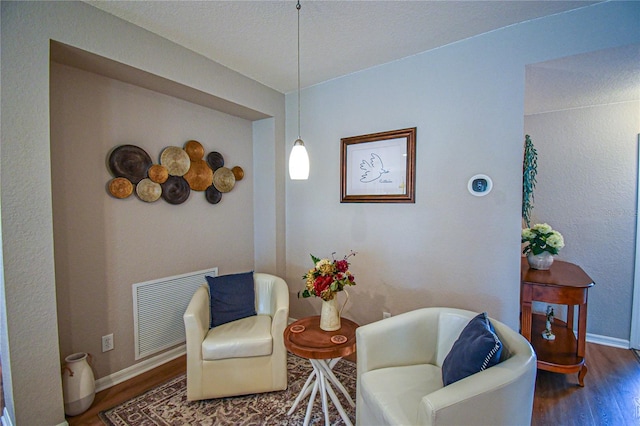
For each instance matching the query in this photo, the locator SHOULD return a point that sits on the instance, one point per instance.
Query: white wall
(587, 174)
(30, 335)
(466, 100)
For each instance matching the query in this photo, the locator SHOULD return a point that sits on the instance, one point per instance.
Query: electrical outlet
(386, 315)
(107, 342)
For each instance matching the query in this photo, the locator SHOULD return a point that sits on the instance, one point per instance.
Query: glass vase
(542, 261)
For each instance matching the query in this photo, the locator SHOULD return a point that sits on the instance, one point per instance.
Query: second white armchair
(399, 374)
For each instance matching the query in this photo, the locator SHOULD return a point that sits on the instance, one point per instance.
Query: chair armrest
(404, 339)
(280, 308)
(272, 298)
(498, 395)
(196, 321)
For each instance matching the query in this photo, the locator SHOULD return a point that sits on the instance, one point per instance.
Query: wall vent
(158, 307)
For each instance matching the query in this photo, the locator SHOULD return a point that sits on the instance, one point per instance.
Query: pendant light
(299, 159)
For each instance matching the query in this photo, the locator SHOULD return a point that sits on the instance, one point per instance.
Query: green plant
(541, 237)
(529, 172)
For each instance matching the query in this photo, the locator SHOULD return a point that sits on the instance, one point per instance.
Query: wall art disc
(176, 160)
(238, 172)
(199, 176)
(120, 187)
(148, 190)
(129, 161)
(175, 190)
(215, 160)
(223, 179)
(158, 173)
(194, 149)
(213, 195)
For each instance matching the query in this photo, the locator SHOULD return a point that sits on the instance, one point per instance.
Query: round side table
(323, 349)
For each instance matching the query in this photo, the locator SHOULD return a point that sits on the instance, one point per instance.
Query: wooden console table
(563, 284)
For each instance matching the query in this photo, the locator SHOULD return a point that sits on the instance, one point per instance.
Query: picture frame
(378, 167)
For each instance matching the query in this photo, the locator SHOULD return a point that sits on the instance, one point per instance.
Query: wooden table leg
(582, 329)
(571, 309)
(526, 319)
(581, 374)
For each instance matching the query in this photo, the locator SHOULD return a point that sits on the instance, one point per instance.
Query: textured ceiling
(595, 78)
(258, 38)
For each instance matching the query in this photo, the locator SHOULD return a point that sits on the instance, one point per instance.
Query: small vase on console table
(541, 262)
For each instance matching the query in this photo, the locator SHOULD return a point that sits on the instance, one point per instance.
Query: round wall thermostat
(480, 185)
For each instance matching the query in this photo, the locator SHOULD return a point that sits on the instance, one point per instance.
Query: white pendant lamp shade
(299, 161)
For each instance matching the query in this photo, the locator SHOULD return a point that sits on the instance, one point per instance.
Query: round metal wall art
(180, 171)
(120, 187)
(194, 149)
(213, 195)
(175, 190)
(176, 160)
(130, 162)
(148, 190)
(199, 176)
(158, 173)
(215, 160)
(238, 172)
(223, 179)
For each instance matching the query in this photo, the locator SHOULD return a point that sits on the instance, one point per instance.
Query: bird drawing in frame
(372, 169)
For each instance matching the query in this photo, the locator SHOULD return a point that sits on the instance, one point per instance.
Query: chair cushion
(232, 297)
(246, 337)
(392, 395)
(477, 348)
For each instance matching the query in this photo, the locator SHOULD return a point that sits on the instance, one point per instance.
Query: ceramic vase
(542, 261)
(330, 313)
(78, 384)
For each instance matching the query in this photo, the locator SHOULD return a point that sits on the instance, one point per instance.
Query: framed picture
(379, 167)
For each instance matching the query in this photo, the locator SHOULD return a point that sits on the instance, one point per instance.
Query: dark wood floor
(611, 395)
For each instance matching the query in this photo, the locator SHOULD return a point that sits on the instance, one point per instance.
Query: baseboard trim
(139, 368)
(6, 418)
(608, 341)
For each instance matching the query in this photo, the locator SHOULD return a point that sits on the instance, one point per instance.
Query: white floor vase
(78, 384)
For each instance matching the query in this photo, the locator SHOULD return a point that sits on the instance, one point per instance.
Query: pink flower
(342, 265)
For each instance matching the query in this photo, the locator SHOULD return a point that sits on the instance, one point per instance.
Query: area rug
(167, 404)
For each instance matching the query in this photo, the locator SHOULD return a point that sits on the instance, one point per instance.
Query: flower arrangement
(327, 277)
(542, 238)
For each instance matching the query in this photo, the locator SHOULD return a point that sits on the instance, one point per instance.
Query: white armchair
(240, 357)
(399, 376)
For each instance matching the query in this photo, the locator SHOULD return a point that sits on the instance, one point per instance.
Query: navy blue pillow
(232, 297)
(477, 348)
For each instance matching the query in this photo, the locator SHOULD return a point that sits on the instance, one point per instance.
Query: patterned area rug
(167, 404)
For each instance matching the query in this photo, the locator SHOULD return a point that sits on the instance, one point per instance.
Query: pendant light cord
(298, 7)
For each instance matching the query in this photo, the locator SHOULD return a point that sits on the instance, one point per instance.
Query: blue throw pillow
(232, 297)
(477, 348)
